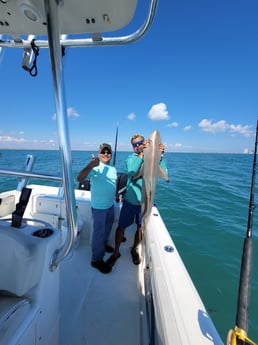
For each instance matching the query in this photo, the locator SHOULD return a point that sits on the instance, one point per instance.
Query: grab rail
(26, 174)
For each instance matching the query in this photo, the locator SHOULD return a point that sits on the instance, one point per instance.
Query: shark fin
(163, 175)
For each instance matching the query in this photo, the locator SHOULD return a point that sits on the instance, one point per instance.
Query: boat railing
(29, 174)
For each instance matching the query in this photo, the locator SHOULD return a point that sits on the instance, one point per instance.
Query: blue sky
(194, 77)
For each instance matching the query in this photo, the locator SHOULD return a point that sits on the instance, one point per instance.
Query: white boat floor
(100, 308)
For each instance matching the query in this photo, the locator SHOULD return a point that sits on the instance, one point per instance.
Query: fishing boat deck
(97, 299)
(88, 307)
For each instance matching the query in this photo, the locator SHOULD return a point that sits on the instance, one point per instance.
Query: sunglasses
(138, 143)
(103, 152)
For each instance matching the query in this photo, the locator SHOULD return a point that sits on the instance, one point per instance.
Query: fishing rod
(114, 157)
(238, 336)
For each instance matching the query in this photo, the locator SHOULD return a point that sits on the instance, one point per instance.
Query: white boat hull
(153, 303)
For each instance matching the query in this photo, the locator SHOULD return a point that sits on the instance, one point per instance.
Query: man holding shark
(143, 167)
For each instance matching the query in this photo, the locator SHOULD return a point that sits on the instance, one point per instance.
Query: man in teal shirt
(131, 209)
(103, 189)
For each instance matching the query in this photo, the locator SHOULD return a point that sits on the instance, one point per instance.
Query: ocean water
(205, 208)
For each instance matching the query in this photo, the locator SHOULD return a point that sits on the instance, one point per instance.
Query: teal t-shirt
(134, 187)
(103, 186)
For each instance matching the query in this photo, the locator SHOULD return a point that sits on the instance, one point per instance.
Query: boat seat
(51, 209)
(13, 311)
(22, 253)
(7, 205)
(47, 204)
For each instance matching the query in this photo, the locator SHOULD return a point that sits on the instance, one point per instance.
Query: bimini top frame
(81, 22)
(59, 24)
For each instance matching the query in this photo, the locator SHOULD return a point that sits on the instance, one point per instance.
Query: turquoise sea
(205, 208)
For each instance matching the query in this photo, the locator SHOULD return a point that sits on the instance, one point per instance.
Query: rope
(34, 70)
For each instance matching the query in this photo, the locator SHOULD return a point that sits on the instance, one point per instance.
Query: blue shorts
(129, 214)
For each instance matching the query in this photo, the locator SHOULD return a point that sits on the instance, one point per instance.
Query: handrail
(24, 173)
(89, 42)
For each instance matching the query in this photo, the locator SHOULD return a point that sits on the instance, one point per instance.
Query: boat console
(24, 251)
(27, 281)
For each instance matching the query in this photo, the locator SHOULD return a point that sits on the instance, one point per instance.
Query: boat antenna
(239, 334)
(114, 157)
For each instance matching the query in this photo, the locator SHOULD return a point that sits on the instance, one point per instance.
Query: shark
(150, 171)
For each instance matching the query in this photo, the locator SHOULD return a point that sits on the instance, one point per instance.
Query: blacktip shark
(150, 170)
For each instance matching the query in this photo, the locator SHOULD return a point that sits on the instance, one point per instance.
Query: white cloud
(71, 112)
(131, 116)
(8, 141)
(188, 128)
(208, 126)
(244, 130)
(6, 138)
(158, 112)
(173, 124)
(223, 126)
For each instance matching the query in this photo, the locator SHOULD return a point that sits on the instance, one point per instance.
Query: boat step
(13, 311)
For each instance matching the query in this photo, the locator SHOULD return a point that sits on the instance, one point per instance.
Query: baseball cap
(105, 146)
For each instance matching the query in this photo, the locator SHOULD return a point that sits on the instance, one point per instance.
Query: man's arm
(85, 171)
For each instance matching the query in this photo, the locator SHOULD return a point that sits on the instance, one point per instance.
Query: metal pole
(51, 8)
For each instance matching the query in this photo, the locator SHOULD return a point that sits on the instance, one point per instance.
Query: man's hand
(162, 148)
(94, 161)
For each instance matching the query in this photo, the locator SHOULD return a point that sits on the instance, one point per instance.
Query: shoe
(112, 259)
(102, 266)
(135, 257)
(109, 249)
